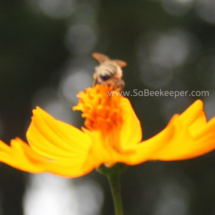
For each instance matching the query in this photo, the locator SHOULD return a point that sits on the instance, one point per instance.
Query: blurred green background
(45, 60)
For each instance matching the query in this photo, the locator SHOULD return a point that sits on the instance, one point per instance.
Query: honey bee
(109, 71)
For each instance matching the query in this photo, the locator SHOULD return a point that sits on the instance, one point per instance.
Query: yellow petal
(69, 167)
(192, 135)
(131, 132)
(55, 139)
(103, 151)
(66, 146)
(20, 156)
(194, 117)
(148, 148)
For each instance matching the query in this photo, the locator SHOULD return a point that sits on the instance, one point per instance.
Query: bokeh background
(45, 60)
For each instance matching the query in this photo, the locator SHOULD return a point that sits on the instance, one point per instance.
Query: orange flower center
(101, 107)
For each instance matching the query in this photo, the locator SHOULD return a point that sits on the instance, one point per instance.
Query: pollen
(101, 107)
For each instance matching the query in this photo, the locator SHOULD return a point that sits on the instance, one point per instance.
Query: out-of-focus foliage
(45, 59)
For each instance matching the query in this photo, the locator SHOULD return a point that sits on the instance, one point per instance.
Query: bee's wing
(101, 58)
(120, 63)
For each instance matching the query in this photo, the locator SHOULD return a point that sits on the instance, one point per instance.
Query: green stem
(116, 193)
(113, 175)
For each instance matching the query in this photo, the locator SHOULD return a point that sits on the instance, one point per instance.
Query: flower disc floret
(101, 107)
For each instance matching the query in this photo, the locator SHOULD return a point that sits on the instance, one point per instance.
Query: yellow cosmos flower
(112, 134)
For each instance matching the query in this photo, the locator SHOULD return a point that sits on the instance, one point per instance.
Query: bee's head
(108, 68)
(104, 77)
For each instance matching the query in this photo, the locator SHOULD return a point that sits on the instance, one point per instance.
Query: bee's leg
(120, 84)
(94, 83)
(95, 80)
